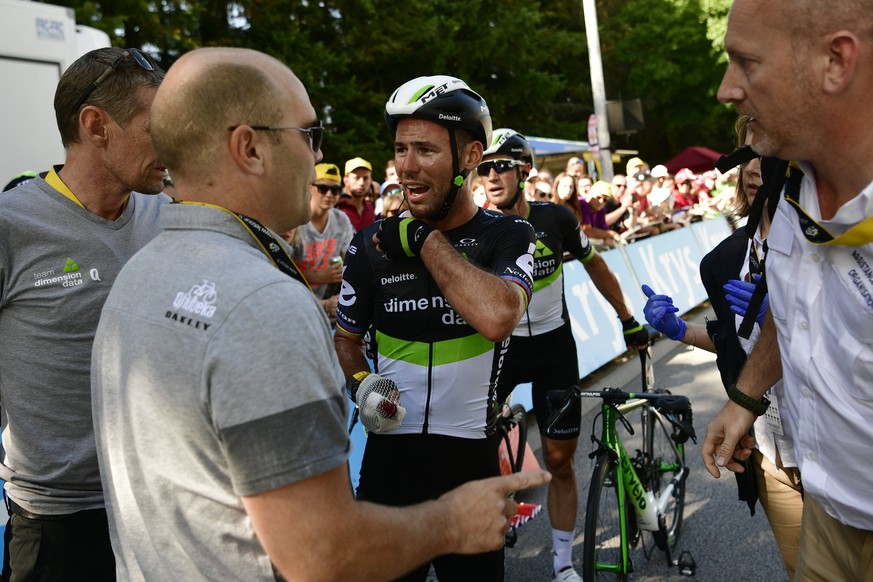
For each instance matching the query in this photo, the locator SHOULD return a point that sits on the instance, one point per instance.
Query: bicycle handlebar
(675, 407)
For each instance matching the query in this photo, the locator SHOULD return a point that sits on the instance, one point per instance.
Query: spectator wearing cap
(575, 167)
(391, 189)
(355, 203)
(593, 222)
(634, 166)
(319, 246)
(684, 190)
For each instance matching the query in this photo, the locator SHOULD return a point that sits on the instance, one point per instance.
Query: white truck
(37, 43)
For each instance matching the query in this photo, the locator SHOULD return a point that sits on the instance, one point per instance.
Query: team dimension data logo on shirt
(71, 276)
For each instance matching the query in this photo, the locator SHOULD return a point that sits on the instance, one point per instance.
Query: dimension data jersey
(557, 230)
(445, 369)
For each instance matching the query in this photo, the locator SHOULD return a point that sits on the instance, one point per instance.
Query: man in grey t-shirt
(65, 235)
(319, 246)
(219, 411)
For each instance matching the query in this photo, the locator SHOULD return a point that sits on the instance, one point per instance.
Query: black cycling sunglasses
(499, 166)
(323, 189)
(140, 59)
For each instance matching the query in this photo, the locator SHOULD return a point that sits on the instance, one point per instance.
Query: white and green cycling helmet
(449, 102)
(511, 144)
(508, 142)
(444, 100)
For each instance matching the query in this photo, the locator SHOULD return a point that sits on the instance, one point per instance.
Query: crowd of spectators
(634, 205)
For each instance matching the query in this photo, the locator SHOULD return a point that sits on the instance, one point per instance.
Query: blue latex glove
(739, 293)
(661, 314)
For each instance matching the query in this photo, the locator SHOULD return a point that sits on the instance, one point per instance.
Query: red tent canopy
(698, 159)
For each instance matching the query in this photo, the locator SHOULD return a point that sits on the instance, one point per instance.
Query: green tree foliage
(528, 58)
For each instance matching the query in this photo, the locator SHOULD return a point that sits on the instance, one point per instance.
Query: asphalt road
(724, 540)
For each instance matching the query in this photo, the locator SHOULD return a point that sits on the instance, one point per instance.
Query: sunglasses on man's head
(323, 189)
(499, 166)
(137, 56)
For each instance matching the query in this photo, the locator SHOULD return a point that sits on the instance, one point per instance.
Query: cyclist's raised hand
(661, 314)
(401, 238)
(728, 440)
(479, 511)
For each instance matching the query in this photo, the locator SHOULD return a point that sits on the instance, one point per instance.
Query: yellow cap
(327, 172)
(356, 163)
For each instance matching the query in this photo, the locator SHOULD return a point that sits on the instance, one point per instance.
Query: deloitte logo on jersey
(402, 277)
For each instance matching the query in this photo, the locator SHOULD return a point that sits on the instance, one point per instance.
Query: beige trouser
(831, 551)
(780, 494)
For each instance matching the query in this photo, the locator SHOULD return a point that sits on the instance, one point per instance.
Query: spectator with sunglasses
(543, 350)
(65, 235)
(320, 245)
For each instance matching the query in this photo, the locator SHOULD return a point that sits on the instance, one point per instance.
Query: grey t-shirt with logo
(215, 377)
(57, 264)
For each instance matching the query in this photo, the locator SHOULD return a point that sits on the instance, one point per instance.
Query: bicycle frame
(648, 511)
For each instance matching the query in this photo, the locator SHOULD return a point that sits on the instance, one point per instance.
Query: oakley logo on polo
(71, 276)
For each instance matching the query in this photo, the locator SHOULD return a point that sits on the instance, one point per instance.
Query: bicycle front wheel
(665, 467)
(605, 551)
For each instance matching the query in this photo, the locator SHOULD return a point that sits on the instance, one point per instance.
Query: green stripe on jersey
(444, 352)
(546, 281)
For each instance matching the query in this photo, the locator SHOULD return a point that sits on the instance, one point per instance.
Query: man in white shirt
(811, 100)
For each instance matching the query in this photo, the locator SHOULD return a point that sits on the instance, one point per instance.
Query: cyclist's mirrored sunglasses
(499, 166)
(131, 52)
(323, 189)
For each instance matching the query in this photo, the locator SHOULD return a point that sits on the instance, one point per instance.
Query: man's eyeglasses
(542, 195)
(621, 186)
(314, 133)
(323, 189)
(131, 52)
(499, 166)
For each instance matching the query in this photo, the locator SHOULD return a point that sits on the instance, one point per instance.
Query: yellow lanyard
(860, 234)
(266, 240)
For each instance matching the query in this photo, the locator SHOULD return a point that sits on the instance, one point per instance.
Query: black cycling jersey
(446, 371)
(557, 230)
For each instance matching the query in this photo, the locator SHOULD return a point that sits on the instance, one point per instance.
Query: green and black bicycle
(630, 495)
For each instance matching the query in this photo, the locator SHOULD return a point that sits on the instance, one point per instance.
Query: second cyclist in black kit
(542, 350)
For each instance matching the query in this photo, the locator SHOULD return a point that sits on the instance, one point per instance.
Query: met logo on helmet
(432, 93)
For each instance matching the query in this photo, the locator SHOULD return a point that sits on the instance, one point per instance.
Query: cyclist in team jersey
(543, 350)
(435, 294)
